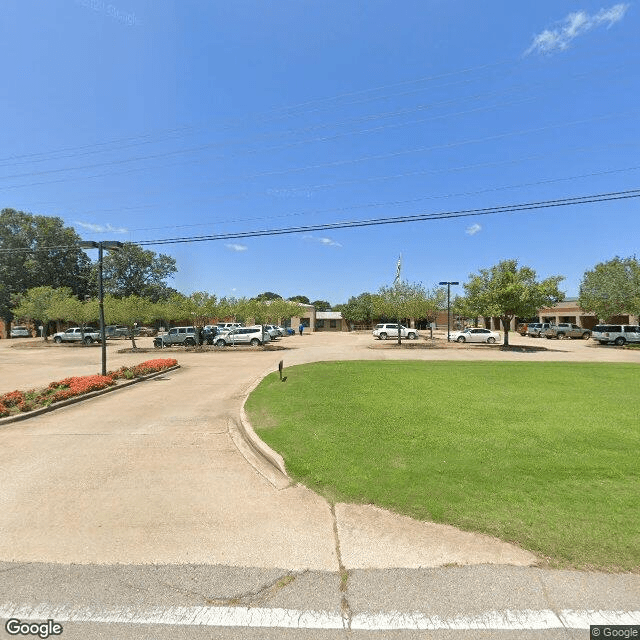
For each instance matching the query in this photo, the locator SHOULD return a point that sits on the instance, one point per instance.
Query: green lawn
(544, 455)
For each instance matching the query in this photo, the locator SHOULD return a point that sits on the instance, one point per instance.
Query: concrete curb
(87, 396)
(276, 471)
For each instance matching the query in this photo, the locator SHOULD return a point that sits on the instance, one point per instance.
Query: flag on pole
(398, 267)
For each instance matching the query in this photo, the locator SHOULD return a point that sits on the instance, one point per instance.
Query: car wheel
(57, 339)
(255, 342)
(157, 345)
(412, 336)
(619, 341)
(383, 336)
(221, 343)
(586, 335)
(460, 339)
(491, 340)
(561, 336)
(88, 340)
(190, 342)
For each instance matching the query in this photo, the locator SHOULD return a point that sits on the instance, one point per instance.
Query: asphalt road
(136, 515)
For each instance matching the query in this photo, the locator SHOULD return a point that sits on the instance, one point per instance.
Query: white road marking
(528, 619)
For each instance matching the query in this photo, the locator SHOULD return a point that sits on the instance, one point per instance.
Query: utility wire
(421, 217)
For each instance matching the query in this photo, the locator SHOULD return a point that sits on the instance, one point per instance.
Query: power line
(421, 217)
(335, 163)
(392, 203)
(148, 139)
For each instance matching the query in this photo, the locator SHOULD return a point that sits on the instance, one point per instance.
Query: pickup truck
(566, 330)
(75, 334)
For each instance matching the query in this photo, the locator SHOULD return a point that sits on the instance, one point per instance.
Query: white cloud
(236, 247)
(473, 229)
(101, 228)
(574, 25)
(327, 242)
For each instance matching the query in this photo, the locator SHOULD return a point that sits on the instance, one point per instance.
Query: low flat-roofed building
(330, 321)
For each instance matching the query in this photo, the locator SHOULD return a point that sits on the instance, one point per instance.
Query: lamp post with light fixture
(109, 245)
(448, 305)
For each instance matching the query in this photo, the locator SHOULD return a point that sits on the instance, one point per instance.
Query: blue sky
(141, 120)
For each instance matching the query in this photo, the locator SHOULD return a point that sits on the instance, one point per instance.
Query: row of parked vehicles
(220, 335)
(618, 334)
(89, 335)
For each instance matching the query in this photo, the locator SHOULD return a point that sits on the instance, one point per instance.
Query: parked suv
(535, 329)
(387, 330)
(20, 332)
(116, 331)
(254, 336)
(227, 326)
(177, 335)
(617, 333)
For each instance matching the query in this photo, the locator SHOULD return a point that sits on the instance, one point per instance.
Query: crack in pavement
(258, 596)
(345, 608)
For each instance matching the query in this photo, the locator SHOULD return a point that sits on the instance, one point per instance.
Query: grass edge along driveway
(542, 455)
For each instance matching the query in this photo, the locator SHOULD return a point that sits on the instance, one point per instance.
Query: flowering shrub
(16, 401)
(12, 399)
(142, 369)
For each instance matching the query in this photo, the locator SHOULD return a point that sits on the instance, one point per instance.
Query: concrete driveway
(155, 473)
(144, 498)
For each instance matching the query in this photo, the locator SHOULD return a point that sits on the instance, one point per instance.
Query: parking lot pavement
(29, 363)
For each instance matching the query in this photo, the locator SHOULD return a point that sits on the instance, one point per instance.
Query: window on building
(332, 324)
(319, 324)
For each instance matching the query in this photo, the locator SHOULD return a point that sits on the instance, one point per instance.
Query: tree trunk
(506, 321)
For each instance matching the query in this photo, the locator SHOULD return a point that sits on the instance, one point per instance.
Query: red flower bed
(18, 401)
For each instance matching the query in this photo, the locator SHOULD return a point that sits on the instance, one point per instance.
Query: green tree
(358, 309)
(199, 307)
(73, 310)
(136, 271)
(612, 288)
(506, 291)
(38, 251)
(321, 305)
(267, 295)
(129, 311)
(301, 299)
(403, 300)
(460, 307)
(41, 304)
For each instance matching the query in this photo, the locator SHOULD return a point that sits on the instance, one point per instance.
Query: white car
(254, 336)
(473, 334)
(20, 332)
(390, 330)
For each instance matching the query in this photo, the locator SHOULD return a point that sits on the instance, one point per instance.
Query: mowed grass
(544, 455)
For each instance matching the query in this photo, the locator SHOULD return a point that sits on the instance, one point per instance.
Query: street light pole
(110, 245)
(448, 305)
